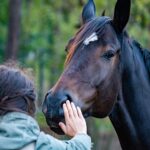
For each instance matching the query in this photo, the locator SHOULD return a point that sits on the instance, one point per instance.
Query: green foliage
(41, 119)
(3, 26)
(47, 25)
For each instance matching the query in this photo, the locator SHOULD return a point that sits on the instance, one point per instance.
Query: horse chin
(100, 115)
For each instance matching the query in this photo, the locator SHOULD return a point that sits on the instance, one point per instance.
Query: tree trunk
(40, 77)
(13, 29)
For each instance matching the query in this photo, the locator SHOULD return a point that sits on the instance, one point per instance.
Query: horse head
(91, 75)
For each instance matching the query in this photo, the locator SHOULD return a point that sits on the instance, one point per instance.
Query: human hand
(74, 120)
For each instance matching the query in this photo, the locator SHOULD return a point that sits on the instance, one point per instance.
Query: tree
(13, 29)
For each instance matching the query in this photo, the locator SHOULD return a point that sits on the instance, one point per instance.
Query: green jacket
(18, 130)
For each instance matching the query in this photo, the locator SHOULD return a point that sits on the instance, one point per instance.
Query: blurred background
(35, 33)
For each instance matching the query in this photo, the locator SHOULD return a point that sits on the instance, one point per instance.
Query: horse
(106, 73)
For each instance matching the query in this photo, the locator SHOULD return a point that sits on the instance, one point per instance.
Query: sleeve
(79, 142)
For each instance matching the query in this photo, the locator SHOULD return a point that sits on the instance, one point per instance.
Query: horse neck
(131, 114)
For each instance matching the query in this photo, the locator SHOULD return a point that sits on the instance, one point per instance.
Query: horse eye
(108, 55)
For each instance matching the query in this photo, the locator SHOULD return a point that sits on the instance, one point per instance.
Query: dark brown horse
(106, 74)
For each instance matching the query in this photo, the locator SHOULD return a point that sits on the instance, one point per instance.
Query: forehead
(109, 36)
(102, 26)
(97, 30)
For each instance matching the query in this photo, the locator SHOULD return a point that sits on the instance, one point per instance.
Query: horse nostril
(67, 97)
(44, 107)
(48, 93)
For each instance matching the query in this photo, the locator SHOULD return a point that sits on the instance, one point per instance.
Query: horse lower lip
(53, 126)
(51, 123)
(86, 115)
(57, 130)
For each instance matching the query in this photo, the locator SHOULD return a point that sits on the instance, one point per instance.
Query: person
(19, 130)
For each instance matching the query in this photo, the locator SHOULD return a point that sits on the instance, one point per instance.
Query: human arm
(74, 126)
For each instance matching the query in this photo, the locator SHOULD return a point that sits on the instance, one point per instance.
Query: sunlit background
(35, 33)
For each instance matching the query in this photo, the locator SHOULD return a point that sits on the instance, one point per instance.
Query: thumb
(63, 127)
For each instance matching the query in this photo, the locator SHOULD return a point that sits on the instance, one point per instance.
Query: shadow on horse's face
(91, 75)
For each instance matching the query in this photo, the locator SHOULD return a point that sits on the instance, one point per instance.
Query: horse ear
(122, 14)
(88, 11)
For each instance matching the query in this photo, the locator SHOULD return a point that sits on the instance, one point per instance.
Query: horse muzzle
(53, 110)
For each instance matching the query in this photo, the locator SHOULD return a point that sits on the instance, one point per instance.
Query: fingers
(66, 113)
(74, 120)
(74, 110)
(63, 127)
(80, 113)
(69, 108)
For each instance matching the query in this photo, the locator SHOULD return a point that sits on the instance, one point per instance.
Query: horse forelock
(95, 25)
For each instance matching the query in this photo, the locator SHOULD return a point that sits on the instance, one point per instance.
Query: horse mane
(145, 54)
(95, 25)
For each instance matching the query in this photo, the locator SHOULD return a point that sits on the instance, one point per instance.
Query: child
(19, 130)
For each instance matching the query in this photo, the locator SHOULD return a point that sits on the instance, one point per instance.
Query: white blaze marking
(91, 38)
